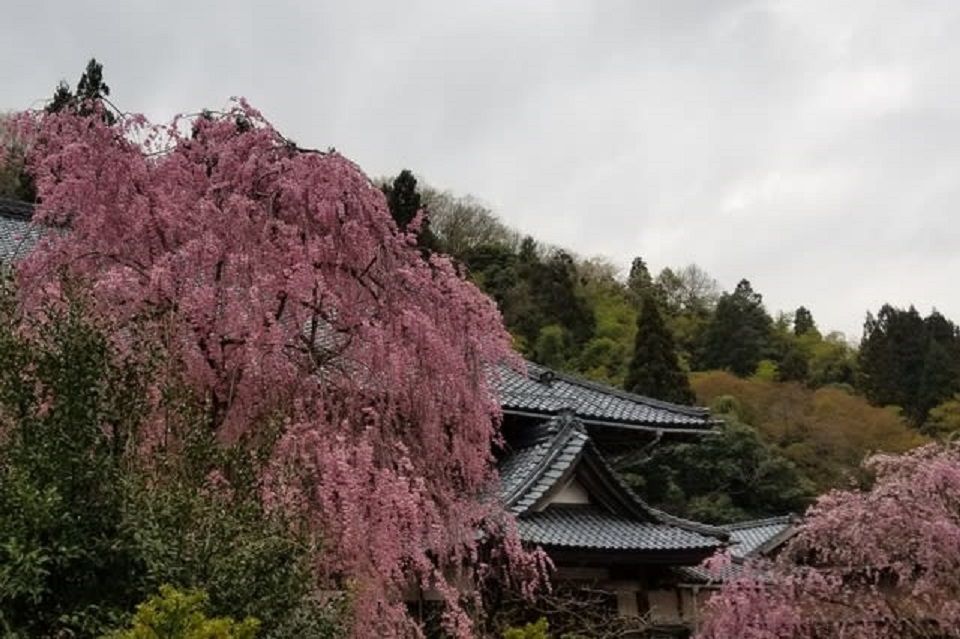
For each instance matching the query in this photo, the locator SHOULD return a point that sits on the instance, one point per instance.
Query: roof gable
(760, 536)
(560, 450)
(748, 540)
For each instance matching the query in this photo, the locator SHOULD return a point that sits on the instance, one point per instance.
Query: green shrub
(89, 528)
(539, 629)
(174, 614)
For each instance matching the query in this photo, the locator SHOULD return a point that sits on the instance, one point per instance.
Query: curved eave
(702, 428)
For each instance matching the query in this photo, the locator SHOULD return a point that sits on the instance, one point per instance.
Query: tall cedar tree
(803, 321)
(403, 198)
(404, 202)
(639, 281)
(738, 335)
(909, 361)
(655, 370)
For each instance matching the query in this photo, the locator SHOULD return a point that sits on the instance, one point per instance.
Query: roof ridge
(690, 411)
(657, 514)
(16, 209)
(569, 425)
(757, 523)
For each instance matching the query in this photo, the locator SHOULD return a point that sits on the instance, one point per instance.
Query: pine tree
(738, 335)
(404, 202)
(91, 90)
(639, 281)
(803, 321)
(403, 198)
(655, 369)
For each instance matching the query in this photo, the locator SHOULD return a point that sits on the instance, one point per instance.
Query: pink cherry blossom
(282, 294)
(877, 563)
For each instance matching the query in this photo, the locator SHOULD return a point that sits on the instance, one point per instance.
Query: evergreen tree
(528, 250)
(803, 321)
(403, 198)
(794, 367)
(91, 85)
(404, 202)
(639, 281)
(655, 370)
(909, 361)
(738, 335)
(730, 476)
(91, 90)
(553, 284)
(62, 98)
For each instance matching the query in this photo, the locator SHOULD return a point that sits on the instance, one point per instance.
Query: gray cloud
(812, 147)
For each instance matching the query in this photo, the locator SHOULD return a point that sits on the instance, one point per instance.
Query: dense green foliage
(739, 333)
(909, 361)
(731, 476)
(88, 528)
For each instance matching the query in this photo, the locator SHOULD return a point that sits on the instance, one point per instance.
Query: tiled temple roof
(541, 391)
(17, 234)
(751, 538)
(616, 518)
(597, 529)
(748, 539)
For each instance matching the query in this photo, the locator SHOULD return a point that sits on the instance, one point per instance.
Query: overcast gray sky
(810, 146)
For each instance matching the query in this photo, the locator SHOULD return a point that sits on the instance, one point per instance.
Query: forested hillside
(802, 405)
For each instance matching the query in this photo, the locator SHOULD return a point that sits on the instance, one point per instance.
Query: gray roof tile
(587, 527)
(748, 537)
(17, 234)
(542, 391)
(747, 540)
(529, 472)
(553, 450)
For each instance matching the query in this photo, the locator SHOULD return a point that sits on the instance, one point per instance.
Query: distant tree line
(646, 332)
(801, 407)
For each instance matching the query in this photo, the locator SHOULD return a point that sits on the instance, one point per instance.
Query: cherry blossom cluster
(876, 563)
(284, 297)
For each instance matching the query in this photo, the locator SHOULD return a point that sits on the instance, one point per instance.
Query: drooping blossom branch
(282, 292)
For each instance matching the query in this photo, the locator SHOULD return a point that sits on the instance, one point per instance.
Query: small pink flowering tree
(284, 297)
(878, 563)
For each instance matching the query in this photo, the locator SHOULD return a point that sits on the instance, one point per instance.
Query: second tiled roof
(592, 528)
(17, 234)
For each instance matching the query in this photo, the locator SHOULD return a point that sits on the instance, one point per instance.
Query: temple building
(562, 435)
